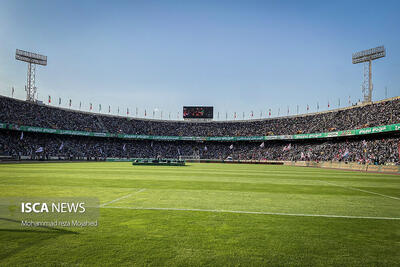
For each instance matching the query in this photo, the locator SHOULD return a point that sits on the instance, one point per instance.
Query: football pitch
(209, 215)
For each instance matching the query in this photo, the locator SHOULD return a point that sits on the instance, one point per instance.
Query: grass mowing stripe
(261, 213)
(246, 173)
(120, 198)
(361, 190)
(317, 189)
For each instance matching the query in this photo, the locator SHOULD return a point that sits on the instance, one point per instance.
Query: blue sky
(239, 56)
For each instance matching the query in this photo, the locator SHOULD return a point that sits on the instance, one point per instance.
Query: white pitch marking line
(361, 190)
(261, 213)
(118, 199)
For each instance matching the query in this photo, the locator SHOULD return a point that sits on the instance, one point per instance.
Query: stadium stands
(380, 149)
(24, 113)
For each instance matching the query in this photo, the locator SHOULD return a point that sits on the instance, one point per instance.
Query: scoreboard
(198, 112)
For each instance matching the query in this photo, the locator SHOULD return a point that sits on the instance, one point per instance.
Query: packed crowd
(30, 114)
(378, 150)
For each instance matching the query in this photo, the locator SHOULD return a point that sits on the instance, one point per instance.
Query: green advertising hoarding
(363, 131)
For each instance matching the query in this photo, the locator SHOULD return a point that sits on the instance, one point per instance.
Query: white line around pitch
(261, 213)
(118, 199)
(361, 190)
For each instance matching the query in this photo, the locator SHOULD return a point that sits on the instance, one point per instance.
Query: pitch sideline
(120, 198)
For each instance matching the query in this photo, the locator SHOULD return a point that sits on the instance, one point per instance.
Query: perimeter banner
(363, 131)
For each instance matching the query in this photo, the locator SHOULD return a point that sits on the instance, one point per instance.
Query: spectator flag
(287, 147)
(262, 145)
(40, 149)
(22, 136)
(61, 146)
(231, 147)
(123, 147)
(364, 143)
(49, 99)
(346, 153)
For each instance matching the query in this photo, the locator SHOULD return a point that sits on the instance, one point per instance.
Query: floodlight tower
(32, 59)
(366, 57)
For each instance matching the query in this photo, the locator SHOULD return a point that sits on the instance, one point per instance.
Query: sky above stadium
(238, 56)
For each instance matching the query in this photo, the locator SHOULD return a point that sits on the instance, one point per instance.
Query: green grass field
(209, 214)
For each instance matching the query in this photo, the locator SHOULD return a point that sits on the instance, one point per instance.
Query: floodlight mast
(366, 57)
(32, 59)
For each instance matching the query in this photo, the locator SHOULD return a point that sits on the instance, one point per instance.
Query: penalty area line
(361, 190)
(120, 198)
(261, 213)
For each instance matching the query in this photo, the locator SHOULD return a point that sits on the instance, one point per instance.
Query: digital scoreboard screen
(198, 112)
